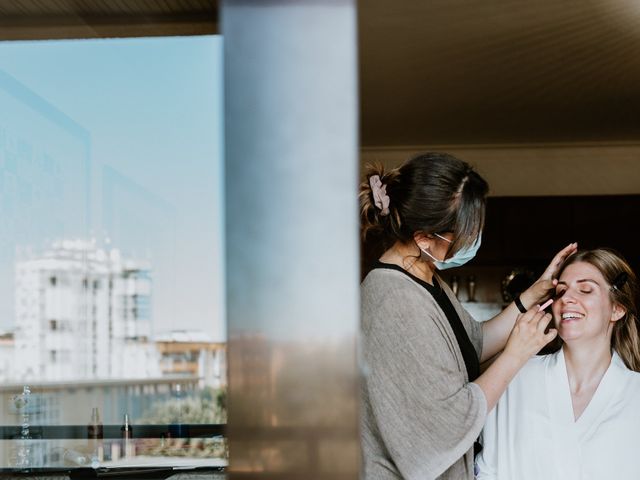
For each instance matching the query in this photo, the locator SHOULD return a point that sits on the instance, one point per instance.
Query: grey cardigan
(420, 415)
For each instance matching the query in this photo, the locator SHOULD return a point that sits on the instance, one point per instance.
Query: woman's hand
(528, 335)
(527, 338)
(542, 288)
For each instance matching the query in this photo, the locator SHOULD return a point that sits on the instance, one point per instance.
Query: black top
(469, 354)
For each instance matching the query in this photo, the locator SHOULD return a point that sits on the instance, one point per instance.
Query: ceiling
(50, 19)
(499, 71)
(433, 71)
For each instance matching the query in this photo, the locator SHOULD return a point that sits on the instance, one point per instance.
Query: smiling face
(584, 310)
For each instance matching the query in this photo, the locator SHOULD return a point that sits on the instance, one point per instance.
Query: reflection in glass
(110, 254)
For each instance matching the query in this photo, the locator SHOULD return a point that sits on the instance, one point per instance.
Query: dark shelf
(529, 231)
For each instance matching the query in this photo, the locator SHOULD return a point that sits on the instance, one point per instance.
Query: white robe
(532, 435)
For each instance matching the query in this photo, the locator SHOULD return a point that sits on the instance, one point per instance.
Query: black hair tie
(519, 304)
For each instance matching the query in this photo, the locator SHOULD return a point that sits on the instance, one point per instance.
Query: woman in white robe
(575, 414)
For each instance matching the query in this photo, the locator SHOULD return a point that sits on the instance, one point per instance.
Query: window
(111, 198)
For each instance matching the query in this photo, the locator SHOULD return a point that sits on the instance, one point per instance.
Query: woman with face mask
(573, 414)
(424, 398)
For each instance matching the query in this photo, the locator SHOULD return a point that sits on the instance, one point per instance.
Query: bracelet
(519, 304)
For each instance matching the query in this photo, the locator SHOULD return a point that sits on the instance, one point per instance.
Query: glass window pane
(112, 335)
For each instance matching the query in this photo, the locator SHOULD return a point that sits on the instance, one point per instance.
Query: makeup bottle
(95, 436)
(455, 285)
(128, 448)
(471, 288)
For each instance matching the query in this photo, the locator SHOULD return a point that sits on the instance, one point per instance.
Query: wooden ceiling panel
(437, 71)
(50, 19)
(499, 71)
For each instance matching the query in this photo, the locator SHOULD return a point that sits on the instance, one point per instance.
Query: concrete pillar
(292, 269)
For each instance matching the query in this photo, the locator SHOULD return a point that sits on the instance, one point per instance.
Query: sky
(118, 140)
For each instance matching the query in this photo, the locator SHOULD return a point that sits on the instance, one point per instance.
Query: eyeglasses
(443, 238)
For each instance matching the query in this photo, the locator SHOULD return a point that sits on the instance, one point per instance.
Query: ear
(423, 240)
(618, 312)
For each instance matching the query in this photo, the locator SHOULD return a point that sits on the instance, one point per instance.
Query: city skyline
(84, 314)
(121, 141)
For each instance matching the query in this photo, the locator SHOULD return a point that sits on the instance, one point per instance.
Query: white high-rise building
(83, 312)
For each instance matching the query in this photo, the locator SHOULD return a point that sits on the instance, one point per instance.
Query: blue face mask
(461, 257)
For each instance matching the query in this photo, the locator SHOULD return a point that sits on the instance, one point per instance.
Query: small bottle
(128, 449)
(176, 428)
(95, 436)
(471, 288)
(115, 451)
(455, 285)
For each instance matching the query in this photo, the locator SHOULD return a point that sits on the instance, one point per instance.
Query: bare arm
(495, 332)
(527, 338)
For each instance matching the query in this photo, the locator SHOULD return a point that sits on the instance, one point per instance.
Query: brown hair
(625, 338)
(430, 193)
